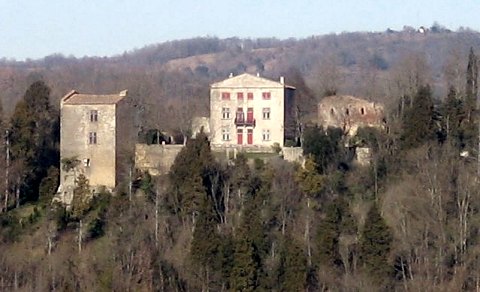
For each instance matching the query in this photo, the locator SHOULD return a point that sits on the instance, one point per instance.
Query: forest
(408, 221)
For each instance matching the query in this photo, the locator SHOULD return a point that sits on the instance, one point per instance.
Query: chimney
(282, 79)
(230, 76)
(123, 92)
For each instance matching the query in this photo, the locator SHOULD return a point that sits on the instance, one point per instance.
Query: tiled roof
(248, 80)
(74, 97)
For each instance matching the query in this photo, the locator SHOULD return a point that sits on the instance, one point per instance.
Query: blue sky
(37, 28)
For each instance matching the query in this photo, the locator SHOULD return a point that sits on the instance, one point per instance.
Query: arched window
(332, 111)
(347, 112)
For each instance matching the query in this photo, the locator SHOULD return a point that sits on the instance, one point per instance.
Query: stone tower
(95, 140)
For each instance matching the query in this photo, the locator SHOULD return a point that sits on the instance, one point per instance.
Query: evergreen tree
(189, 176)
(324, 146)
(34, 137)
(471, 88)
(250, 248)
(205, 243)
(418, 123)
(453, 115)
(293, 267)
(246, 266)
(375, 246)
(327, 236)
(470, 102)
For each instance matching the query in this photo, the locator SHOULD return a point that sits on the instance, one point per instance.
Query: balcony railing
(241, 121)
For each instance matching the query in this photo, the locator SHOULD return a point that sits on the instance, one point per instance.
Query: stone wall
(156, 158)
(97, 161)
(349, 113)
(293, 154)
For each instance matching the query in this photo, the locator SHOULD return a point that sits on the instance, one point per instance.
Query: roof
(73, 97)
(249, 80)
(347, 100)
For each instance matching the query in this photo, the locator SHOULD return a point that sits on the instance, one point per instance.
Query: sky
(38, 28)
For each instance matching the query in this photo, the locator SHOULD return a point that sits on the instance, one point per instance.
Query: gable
(247, 80)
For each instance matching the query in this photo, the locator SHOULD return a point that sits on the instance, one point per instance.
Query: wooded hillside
(408, 220)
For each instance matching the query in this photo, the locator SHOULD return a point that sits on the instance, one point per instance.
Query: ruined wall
(349, 113)
(156, 158)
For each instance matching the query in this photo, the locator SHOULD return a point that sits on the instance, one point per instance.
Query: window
(92, 138)
(266, 95)
(240, 95)
(93, 116)
(266, 135)
(362, 111)
(225, 95)
(226, 134)
(225, 113)
(250, 96)
(347, 112)
(266, 113)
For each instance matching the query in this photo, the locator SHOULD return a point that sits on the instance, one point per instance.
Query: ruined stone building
(95, 140)
(249, 111)
(349, 113)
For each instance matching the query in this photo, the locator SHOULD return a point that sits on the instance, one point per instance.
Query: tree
(293, 267)
(453, 115)
(418, 123)
(34, 137)
(250, 247)
(189, 177)
(375, 246)
(327, 236)
(324, 146)
(204, 249)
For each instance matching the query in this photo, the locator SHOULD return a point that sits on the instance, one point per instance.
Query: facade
(252, 112)
(95, 140)
(349, 113)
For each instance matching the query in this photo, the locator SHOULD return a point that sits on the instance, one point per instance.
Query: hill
(378, 66)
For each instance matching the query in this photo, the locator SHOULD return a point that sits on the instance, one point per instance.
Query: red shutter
(250, 115)
(225, 95)
(266, 95)
(239, 136)
(250, 95)
(250, 136)
(240, 95)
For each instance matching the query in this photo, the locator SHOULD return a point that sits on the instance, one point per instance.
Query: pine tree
(250, 248)
(189, 175)
(34, 137)
(471, 88)
(204, 249)
(293, 267)
(418, 123)
(470, 103)
(375, 246)
(453, 115)
(327, 237)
